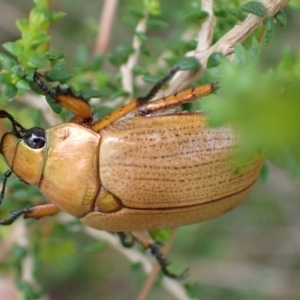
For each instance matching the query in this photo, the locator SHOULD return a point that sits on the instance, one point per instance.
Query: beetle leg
(36, 212)
(126, 239)
(66, 98)
(145, 239)
(132, 105)
(177, 99)
(162, 261)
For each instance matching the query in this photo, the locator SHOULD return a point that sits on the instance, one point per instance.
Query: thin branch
(225, 44)
(126, 69)
(105, 26)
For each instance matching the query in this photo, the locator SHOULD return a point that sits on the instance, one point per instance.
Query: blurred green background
(252, 252)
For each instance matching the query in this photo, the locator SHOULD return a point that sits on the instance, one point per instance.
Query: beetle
(130, 174)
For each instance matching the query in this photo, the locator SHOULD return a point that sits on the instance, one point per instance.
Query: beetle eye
(35, 138)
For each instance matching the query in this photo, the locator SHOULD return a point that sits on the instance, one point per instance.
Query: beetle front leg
(35, 212)
(145, 239)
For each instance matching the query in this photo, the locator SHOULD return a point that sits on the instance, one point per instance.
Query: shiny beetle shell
(140, 173)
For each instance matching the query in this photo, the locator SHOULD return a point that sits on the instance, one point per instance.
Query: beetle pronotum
(130, 174)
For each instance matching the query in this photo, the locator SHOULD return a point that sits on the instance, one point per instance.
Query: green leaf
(150, 79)
(142, 36)
(116, 60)
(36, 61)
(54, 55)
(281, 18)
(9, 90)
(255, 8)
(17, 70)
(136, 13)
(5, 77)
(96, 247)
(153, 6)
(61, 73)
(270, 26)
(102, 111)
(90, 93)
(56, 16)
(220, 12)
(195, 17)
(118, 94)
(214, 59)
(18, 252)
(161, 235)
(188, 63)
(6, 62)
(23, 85)
(13, 48)
(235, 13)
(54, 106)
(156, 24)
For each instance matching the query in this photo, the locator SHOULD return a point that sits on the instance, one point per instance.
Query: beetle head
(23, 150)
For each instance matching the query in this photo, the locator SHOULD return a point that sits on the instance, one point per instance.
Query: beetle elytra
(130, 174)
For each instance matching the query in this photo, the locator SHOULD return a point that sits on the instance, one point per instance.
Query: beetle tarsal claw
(164, 263)
(14, 215)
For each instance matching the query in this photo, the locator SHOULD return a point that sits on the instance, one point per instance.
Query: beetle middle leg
(145, 239)
(35, 212)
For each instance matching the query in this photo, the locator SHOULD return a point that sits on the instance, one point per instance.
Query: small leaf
(23, 85)
(188, 46)
(9, 90)
(138, 70)
(18, 252)
(142, 36)
(153, 6)
(116, 60)
(90, 93)
(61, 73)
(17, 70)
(56, 16)
(214, 59)
(188, 63)
(136, 13)
(235, 13)
(195, 17)
(54, 55)
(36, 61)
(96, 247)
(12, 47)
(171, 60)
(281, 18)
(255, 8)
(120, 93)
(150, 79)
(156, 24)
(6, 62)
(270, 26)
(102, 112)
(220, 12)
(54, 106)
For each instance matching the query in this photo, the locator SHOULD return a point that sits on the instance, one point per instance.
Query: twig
(126, 69)
(105, 26)
(237, 34)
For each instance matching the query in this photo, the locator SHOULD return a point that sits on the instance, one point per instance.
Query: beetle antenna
(18, 129)
(157, 87)
(6, 176)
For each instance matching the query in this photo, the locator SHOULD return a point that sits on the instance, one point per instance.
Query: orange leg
(160, 104)
(66, 99)
(36, 212)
